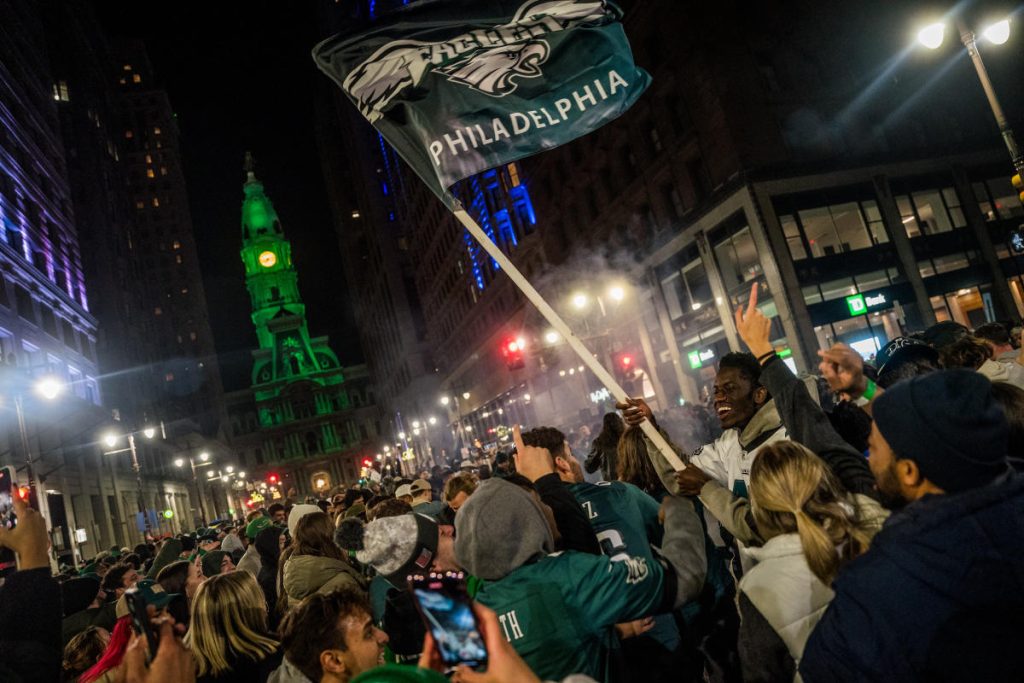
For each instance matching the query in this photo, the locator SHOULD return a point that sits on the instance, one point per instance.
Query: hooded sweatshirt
(307, 574)
(558, 610)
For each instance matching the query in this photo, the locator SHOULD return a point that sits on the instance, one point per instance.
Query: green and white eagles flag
(461, 86)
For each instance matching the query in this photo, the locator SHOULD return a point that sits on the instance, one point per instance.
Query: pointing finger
(752, 305)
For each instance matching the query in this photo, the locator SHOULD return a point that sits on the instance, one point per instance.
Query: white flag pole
(556, 321)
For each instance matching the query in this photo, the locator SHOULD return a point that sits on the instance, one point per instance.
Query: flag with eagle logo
(461, 86)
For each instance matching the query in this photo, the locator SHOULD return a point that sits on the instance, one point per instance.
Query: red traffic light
(367, 462)
(512, 350)
(626, 360)
(24, 492)
(272, 479)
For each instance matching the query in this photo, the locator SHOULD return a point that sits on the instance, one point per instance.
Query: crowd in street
(863, 524)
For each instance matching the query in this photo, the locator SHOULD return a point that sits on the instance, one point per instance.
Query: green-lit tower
(293, 374)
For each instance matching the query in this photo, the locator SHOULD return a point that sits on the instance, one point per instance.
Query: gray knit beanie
(399, 546)
(498, 529)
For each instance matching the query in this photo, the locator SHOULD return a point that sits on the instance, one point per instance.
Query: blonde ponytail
(793, 491)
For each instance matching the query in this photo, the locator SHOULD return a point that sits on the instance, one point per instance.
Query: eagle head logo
(493, 71)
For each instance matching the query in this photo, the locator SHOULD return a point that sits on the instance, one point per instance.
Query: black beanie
(77, 594)
(949, 424)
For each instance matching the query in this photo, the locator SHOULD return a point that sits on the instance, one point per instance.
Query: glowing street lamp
(579, 301)
(552, 337)
(204, 456)
(179, 462)
(998, 33)
(110, 438)
(932, 35)
(149, 432)
(49, 388)
(616, 293)
(445, 400)
(432, 420)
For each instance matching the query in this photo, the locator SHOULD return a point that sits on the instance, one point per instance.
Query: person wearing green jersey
(559, 610)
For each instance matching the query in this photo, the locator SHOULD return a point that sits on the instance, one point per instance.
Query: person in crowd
(1011, 400)
(559, 610)
(974, 354)
(570, 521)
(217, 562)
(297, 513)
(269, 543)
(389, 507)
(30, 607)
(811, 529)
(943, 334)
(759, 401)
(329, 638)
(228, 636)
(939, 595)
(903, 358)
(313, 563)
(458, 489)
(105, 670)
(423, 499)
(250, 561)
(603, 450)
(170, 552)
(635, 467)
(277, 513)
(82, 652)
(403, 492)
(997, 336)
(119, 578)
(436, 480)
(503, 464)
(183, 577)
(85, 604)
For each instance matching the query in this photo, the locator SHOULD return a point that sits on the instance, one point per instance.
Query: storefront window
(792, 232)
(947, 263)
(866, 334)
(687, 290)
(966, 306)
(837, 289)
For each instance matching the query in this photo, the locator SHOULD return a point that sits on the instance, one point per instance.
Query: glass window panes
(984, 202)
(956, 212)
(931, 212)
(875, 224)
(908, 217)
(925, 268)
(872, 280)
(792, 232)
(946, 264)
(838, 289)
(812, 295)
(672, 287)
(1007, 204)
(698, 287)
(737, 259)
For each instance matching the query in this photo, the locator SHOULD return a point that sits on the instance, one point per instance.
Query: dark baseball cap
(902, 350)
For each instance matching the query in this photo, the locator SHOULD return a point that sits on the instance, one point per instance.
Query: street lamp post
(931, 36)
(111, 441)
(204, 458)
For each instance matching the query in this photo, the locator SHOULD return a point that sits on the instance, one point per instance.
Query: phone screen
(446, 608)
(8, 489)
(140, 620)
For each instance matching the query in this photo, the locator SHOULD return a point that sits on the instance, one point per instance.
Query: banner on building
(461, 86)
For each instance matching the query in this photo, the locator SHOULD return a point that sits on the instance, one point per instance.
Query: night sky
(240, 77)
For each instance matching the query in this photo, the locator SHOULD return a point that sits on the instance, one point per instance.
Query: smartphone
(8, 489)
(140, 620)
(448, 613)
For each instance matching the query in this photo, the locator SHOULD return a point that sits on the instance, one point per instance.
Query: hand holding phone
(141, 620)
(23, 534)
(448, 613)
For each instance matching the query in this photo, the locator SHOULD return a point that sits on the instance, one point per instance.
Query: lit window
(513, 174)
(127, 67)
(169, 377)
(139, 204)
(156, 130)
(158, 145)
(163, 170)
(158, 311)
(178, 258)
(184, 290)
(122, 81)
(193, 336)
(56, 93)
(156, 202)
(149, 159)
(177, 244)
(129, 134)
(136, 78)
(149, 173)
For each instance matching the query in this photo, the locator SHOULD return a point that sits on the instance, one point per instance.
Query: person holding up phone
(30, 607)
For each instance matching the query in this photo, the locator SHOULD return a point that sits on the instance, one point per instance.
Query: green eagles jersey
(558, 612)
(624, 518)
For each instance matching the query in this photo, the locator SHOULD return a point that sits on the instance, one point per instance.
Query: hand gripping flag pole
(462, 86)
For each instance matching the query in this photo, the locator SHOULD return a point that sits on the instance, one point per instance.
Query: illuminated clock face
(268, 259)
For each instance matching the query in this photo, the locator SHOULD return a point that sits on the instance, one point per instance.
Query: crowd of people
(863, 524)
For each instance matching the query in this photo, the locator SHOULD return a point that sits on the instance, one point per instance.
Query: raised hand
(753, 327)
(635, 411)
(28, 539)
(843, 369)
(532, 462)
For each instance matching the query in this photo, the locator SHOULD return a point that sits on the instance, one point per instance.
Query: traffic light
(626, 362)
(512, 350)
(1018, 184)
(367, 462)
(273, 479)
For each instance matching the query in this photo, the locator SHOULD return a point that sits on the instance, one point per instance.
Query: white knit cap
(297, 513)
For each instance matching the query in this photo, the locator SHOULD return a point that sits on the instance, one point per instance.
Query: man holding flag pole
(461, 87)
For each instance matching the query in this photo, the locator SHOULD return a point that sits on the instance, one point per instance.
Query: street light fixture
(229, 469)
(932, 35)
(49, 388)
(401, 436)
(204, 456)
(149, 432)
(579, 300)
(552, 337)
(179, 462)
(211, 474)
(616, 293)
(110, 438)
(445, 400)
(465, 395)
(432, 420)
(998, 33)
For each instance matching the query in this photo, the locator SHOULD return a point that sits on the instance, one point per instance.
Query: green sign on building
(856, 304)
(694, 357)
